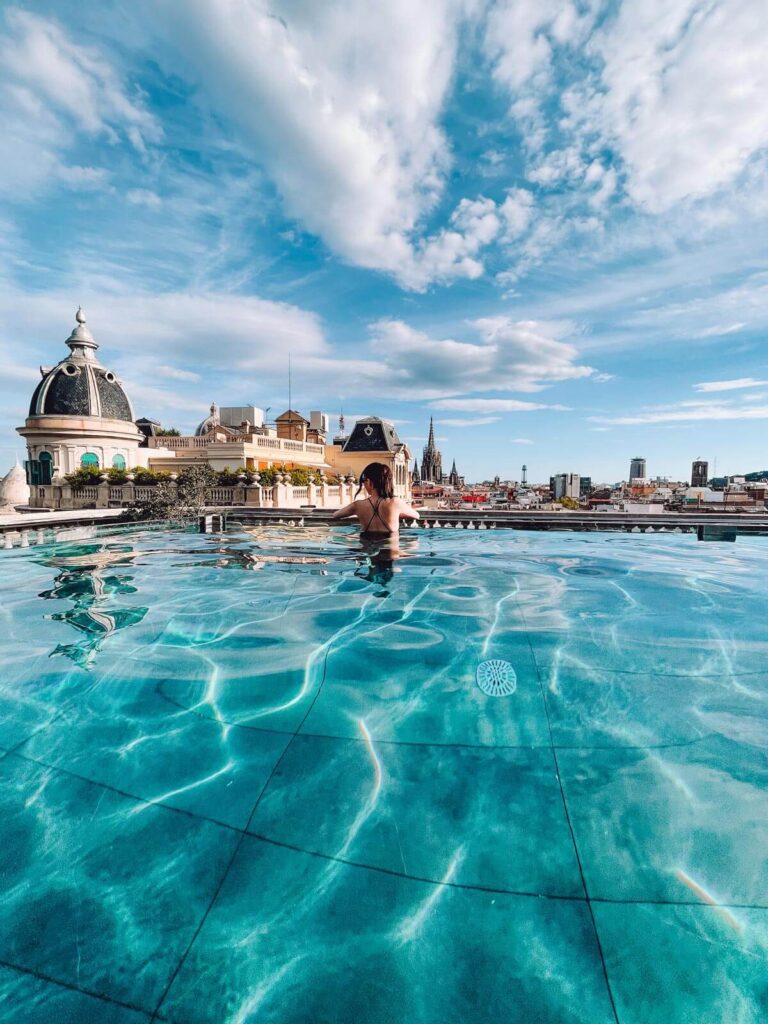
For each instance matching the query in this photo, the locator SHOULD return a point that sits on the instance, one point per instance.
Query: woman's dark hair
(380, 476)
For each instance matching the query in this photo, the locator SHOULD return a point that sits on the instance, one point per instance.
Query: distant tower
(416, 475)
(341, 425)
(432, 460)
(453, 476)
(699, 473)
(524, 481)
(637, 469)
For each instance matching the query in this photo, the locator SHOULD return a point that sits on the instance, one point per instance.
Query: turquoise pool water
(236, 789)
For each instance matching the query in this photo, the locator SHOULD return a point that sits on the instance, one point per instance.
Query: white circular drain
(496, 678)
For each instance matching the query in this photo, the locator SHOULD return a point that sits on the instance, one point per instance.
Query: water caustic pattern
(255, 778)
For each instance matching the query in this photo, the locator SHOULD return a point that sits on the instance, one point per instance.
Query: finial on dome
(81, 340)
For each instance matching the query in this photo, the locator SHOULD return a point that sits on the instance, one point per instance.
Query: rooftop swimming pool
(269, 776)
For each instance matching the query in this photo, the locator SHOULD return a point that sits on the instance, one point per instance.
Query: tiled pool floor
(279, 795)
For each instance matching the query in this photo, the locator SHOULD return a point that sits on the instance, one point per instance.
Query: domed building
(79, 415)
(210, 422)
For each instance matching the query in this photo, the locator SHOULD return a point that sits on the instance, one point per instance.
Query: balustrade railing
(276, 444)
(279, 495)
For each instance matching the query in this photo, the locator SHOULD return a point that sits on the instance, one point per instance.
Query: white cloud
(520, 440)
(143, 197)
(54, 92)
(86, 179)
(208, 329)
(517, 211)
(479, 421)
(492, 405)
(681, 97)
(508, 355)
(673, 87)
(171, 373)
(659, 109)
(519, 37)
(689, 411)
(343, 111)
(730, 385)
(232, 348)
(718, 330)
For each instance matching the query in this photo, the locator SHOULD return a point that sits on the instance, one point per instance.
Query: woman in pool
(379, 512)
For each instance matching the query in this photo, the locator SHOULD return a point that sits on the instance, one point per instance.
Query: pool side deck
(740, 523)
(27, 529)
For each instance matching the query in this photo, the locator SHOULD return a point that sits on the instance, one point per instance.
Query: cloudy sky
(542, 222)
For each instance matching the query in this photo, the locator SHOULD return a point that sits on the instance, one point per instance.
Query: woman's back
(378, 515)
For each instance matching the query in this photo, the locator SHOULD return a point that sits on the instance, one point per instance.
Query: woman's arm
(346, 512)
(406, 511)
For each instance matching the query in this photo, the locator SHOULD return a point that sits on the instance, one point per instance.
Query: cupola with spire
(79, 416)
(79, 385)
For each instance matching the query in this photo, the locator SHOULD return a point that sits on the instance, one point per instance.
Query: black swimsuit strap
(377, 514)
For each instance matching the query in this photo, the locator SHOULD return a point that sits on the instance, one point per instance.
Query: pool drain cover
(496, 678)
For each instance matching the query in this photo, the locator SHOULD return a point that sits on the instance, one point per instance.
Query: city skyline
(531, 222)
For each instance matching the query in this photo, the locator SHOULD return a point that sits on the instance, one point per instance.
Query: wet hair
(380, 476)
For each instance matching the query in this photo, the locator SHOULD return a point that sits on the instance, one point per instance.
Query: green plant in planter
(268, 476)
(149, 477)
(301, 477)
(229, 478)
(85, 476)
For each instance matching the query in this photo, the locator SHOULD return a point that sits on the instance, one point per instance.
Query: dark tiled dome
(80, 385)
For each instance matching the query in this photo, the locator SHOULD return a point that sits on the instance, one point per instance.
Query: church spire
(431, 463)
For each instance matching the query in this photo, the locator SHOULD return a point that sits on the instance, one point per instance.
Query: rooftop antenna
(290, 416)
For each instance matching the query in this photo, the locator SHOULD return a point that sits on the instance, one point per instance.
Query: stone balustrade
(271, 444)
(281, 495)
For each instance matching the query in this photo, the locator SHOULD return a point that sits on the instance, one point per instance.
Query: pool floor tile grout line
(673, 744)
(72, 987)
(569, 823)
(469, 886)
(238, 844)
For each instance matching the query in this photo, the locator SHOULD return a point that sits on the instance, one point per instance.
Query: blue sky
(542, 223)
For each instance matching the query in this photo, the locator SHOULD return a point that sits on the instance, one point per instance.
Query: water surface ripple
(252, 777)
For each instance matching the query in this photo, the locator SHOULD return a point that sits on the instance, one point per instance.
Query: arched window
(89, 459)
(46, 467)
(118, 462)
